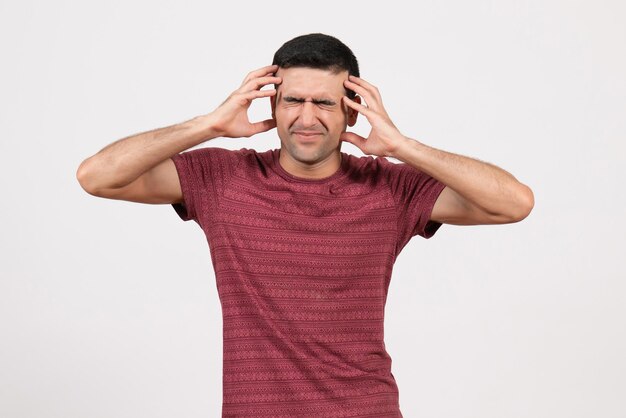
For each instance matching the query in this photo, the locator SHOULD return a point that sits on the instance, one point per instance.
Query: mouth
(307, 136)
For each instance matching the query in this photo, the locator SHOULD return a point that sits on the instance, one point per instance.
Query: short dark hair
(317, 50)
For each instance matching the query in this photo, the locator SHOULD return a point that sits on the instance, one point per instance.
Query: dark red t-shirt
(302, 269)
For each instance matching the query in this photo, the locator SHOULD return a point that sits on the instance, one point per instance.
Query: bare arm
(113, 172)
(139, 168)
(476, 192)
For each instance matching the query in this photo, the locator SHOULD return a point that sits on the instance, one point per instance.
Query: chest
(330, 230)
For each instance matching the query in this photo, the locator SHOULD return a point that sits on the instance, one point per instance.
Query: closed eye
(323, 102)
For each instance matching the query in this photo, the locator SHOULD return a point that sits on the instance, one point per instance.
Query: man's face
(310, 114)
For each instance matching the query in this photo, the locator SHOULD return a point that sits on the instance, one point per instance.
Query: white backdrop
(110, 309)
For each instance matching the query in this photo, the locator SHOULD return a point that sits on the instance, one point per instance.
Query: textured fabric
(302, 270)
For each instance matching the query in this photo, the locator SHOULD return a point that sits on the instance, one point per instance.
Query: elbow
(85, 178)
(81, 176)
(524, 204)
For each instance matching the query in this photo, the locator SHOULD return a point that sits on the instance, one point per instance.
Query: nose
(307, 115)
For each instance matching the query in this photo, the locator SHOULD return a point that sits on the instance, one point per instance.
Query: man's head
(320, 51)
(309, 99)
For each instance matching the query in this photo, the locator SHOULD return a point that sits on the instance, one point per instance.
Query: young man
(303, 238)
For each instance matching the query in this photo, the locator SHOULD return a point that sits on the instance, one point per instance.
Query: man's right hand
(140, 168)
(230, 119)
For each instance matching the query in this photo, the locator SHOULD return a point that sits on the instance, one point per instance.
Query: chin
(308, 153)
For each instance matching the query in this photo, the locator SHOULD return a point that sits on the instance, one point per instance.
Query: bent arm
(476, 193)
(139, 168)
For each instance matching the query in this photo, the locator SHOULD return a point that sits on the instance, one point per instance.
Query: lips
(307, 133)
(307, 136)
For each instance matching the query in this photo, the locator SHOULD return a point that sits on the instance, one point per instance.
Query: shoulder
(379, 167)
(395, 171)
(217, 151)
(215, 154)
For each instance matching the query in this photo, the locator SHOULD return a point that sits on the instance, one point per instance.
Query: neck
(314, 169)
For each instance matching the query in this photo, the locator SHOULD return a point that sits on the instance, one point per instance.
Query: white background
(110, 309)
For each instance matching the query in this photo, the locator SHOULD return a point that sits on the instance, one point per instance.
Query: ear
(273, 105)
(353, 114)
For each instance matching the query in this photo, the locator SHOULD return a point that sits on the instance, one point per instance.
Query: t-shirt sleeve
(203, 174)
(415, 193)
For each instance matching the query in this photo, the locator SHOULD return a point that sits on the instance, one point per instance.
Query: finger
(358, 107)
(370, 87)
(255, 94)
(259, 83)
(353, 138)
(246, 98)
(268, 69)
(263, 126)
(371, 101)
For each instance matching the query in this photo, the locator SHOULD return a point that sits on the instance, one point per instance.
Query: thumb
(353, 138)
(263, 126)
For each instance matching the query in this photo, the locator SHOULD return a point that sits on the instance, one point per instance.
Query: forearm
(488, 187)
(123, 161)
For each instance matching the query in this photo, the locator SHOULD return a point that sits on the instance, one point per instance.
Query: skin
(315, 101)
(309, 101)
(139, 168)
(476, 193)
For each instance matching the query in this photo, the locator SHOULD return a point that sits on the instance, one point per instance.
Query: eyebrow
(327, 102)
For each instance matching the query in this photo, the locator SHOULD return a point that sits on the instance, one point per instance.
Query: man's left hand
(384, 138)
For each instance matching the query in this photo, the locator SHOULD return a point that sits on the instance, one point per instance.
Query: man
(303, 238)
